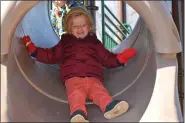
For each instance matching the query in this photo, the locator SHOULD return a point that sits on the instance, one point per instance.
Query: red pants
(79, 89)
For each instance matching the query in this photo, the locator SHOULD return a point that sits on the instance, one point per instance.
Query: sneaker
(78, 116)
(115, 109)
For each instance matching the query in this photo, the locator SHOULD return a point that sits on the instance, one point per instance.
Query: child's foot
(115, 108)
(78, 116)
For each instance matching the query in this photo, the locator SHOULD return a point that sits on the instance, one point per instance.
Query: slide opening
(49, 74)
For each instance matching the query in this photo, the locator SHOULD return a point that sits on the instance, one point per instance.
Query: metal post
(175, 14)
(124, 16)
(103, 21)
(90, 4)
(120, 12)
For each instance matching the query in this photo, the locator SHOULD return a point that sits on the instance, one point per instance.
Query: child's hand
(29, 45)
(126, 55)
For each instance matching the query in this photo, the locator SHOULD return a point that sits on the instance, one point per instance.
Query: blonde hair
(74, 15)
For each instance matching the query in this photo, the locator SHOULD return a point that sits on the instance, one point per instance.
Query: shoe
(78, 116)
(115, 109)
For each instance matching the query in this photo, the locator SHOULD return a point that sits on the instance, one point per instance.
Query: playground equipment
(31, 90)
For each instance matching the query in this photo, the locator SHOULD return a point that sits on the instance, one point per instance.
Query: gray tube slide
(34, 90)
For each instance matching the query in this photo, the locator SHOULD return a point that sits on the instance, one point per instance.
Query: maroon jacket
(78, 57)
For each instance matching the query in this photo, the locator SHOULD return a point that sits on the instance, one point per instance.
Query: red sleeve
(50, 55)
(108, 59)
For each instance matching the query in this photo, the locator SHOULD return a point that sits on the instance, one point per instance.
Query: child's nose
(80, 29)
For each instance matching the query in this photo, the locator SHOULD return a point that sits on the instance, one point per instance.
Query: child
(82, 57)
(58, 11)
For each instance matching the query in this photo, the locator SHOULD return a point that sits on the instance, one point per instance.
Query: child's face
(80, 27)
(59, 3)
